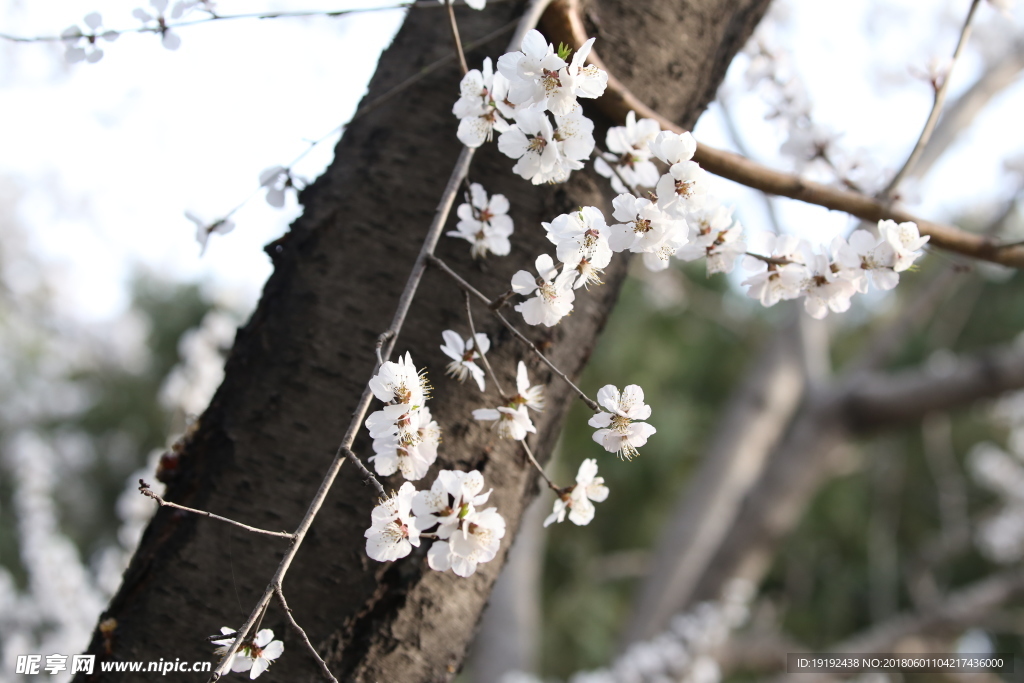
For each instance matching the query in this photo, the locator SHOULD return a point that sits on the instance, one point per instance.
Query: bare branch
(933, 115)
(146, 491)
(456, 38)
(483, 356)
(565, 24)
(302, 634)
(894, 398)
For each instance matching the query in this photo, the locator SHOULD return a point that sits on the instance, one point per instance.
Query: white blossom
(450, 499)
(481, 105)
(683, 189)
(714, 236)
(411, 448)
(589, 487)
(393, 531)
(829, 286)
(530, 396)
(477, 540)
(581, 241)
(204, 229)
(510, 423)
(646, 229)
(532, 72)
(400, 383)
(906, 242)
(673, 148)
(254, 656)
(546, 153)
(484, 223)
(781, 277)
(464, 355)
(629, 151)
(554, 296)
(386, 422)
(620, 430)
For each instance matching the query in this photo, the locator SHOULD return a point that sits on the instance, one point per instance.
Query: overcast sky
(110, 155)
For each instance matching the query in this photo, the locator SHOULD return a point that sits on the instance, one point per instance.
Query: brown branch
(893, 398)
(563, 23)
(483, 356)
(146, 491)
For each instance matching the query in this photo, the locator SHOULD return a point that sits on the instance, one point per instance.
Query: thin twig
(367, 474)
(455, 36)
(302, 634)
(378, 101)
(566, 25)
(551, 485)
(168, 26)
(933, 116)
(483, 356)
(146, 491)
(466, 287)
(527, 22)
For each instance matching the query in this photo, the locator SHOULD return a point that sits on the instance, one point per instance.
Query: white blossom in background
(192, 382)
(580, 499)
(277, 180)
(554, 295)
(530, 396)
(581, 243)
(91, 52)
(204, 229)
(1000, 536)
(393, 531)
(170, 40)
(481, 106)
(629, 152)
(510, 423)
(685, 651)
(464, 355)
(484, 223)
(255, 656)
(620, 430)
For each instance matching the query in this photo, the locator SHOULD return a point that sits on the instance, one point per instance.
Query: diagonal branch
(563, 23)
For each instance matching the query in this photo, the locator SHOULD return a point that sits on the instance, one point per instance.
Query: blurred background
(113, 328)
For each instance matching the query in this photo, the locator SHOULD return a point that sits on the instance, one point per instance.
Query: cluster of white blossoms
(827, 279)
(1000, 536)
(516, 102)
(579, 499)
(254, 656)
(466, 535)
(484, 223)
(512, 421)
(621, 430)
(405, 436)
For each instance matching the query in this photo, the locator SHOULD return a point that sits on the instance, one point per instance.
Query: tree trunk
(298, 367)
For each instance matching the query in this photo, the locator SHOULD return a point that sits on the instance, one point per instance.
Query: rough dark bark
(300, 364)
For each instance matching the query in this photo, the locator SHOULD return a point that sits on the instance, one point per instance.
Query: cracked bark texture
(300, 364)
